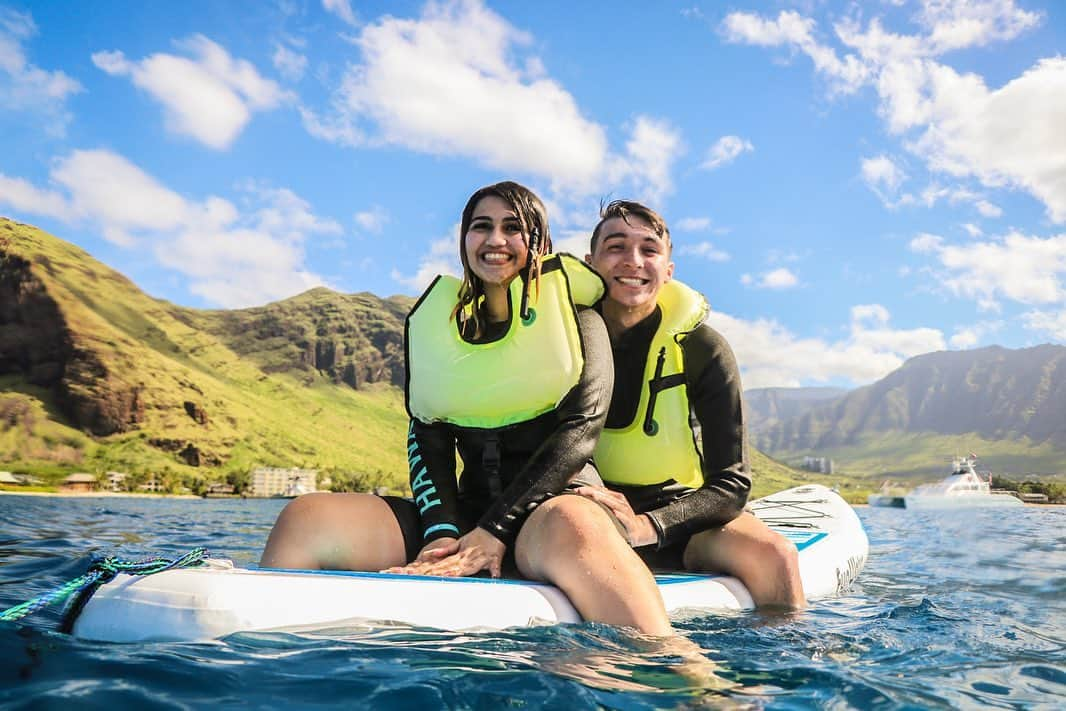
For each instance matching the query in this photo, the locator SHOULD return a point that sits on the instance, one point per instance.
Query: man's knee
(782, 552)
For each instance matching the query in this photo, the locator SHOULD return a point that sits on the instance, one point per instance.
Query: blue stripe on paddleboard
(399, 576)
(802, 540)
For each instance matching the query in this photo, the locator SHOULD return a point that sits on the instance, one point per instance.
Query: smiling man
(674, 451)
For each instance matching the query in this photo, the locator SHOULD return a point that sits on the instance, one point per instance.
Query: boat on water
(963, 488)
(889, 495)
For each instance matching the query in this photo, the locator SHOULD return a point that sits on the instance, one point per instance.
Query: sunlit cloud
(231, 257)
(209, 96)
(25, 87)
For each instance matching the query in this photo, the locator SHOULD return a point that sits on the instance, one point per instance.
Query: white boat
(219, 599)
(963, 488)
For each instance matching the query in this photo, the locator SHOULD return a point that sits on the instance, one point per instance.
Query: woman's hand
(638, 527)
(476, 551)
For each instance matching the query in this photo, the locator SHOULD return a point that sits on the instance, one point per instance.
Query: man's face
(633, 260)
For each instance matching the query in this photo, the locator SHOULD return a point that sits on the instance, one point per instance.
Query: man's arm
(715, 398)
(580, 418)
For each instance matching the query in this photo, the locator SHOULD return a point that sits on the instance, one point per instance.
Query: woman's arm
(431, 462)
(569, 447)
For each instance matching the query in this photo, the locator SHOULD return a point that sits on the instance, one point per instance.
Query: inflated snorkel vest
(659, 444)
(525, 373)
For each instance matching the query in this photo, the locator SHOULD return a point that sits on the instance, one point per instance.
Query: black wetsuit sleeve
(431, 461)
(715, 397)
(580, 417)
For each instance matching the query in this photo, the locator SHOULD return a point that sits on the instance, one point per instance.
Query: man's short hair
(625, 208)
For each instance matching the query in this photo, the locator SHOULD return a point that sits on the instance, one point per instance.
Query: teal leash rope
(100, 572)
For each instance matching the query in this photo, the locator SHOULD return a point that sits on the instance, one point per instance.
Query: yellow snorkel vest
(659, 444)
(522, 375)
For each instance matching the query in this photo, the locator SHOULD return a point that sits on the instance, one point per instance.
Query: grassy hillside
(158, 392)
(903, 455)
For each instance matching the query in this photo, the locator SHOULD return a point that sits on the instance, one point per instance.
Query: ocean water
(953, 610)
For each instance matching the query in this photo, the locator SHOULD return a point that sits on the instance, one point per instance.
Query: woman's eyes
(511, 228)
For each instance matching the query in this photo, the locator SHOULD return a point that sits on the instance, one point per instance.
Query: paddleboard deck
(218, 599)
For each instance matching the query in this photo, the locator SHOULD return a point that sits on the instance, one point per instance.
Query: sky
(850, 184)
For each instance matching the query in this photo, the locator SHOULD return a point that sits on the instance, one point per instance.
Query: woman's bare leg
(335, 532)
(764, 560)
(571, 542)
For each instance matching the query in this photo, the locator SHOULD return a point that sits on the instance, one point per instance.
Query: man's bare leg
(764, 560)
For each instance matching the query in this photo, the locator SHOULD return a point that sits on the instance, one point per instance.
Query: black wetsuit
(508, 471)
(717, 418)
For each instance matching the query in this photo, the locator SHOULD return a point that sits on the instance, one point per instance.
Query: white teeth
(497, 257)
(631, 281)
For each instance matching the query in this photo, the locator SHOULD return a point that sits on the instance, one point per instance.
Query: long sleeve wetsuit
(717, 420)
(509, 471)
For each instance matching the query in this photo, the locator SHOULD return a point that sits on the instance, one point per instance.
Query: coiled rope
(100, 572)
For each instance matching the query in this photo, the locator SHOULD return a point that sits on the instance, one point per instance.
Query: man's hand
(639, 529)
(476, 551)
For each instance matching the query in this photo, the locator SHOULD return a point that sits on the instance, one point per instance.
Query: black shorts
(470, 512)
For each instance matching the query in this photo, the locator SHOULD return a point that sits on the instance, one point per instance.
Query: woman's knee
(569, 520)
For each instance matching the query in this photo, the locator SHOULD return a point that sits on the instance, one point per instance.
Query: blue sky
(850, 184)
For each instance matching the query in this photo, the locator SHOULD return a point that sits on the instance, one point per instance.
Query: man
(673, 451)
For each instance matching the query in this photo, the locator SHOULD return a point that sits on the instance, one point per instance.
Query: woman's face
(496, 249)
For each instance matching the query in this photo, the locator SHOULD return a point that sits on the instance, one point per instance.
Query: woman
(512, 370)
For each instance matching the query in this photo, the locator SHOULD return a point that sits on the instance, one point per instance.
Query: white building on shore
(274, 481)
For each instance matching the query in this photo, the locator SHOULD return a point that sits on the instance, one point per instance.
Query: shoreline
(99, 494)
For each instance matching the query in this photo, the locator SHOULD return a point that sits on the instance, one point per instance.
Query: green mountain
(766, 407)
(1007, 405)
(96, 375)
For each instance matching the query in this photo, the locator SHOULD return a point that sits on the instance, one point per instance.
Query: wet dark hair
(533, 217)
(625, 208)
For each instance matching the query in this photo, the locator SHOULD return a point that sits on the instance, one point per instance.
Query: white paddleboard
(218, 599)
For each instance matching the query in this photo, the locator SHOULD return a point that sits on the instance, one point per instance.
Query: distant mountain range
(1000, 399)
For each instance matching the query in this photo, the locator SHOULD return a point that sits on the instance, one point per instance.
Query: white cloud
(459, 80)
(575, 242)
(726, 150)
(342, 9)
(1005, 137)
(442, 258)
(780, 278)
(925, 243)
(972, 229)
(987, 209)
(26, 87)
(970, 336)
(771, 356)
(1051, 323)
(289, 64)
(210, 97)
(692, 224)
(25, 197)
(884, 178)
(797, 32)
(372, 220)
(447, 84)
(1021, 268)
(956, 24)
(704, 250)
(230, 257)
(653, 147)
